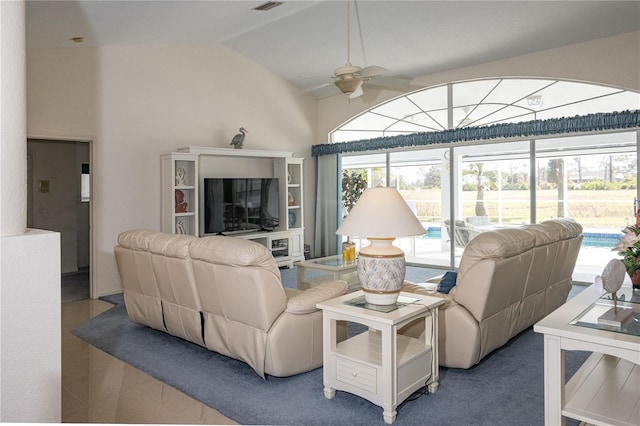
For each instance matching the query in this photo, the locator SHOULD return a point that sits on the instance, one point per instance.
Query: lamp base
(381, 298)
(381, 270)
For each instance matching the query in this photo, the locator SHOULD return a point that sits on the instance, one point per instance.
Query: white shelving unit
(295, 202)
(286, 241)
(180, 180)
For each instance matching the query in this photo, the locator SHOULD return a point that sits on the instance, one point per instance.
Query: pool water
(589, 239)
(594, 239)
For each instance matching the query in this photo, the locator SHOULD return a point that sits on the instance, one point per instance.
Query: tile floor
(98, 388)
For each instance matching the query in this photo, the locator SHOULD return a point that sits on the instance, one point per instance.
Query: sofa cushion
(235, 252)
(137, 239)
(447, 282)
(305, 302)
(171, 245)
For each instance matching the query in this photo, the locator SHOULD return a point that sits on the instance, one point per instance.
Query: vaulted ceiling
(304, 41)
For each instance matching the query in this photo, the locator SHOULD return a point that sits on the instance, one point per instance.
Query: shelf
(229, 152)
(604, 391)
(199, 161)
(367, 347)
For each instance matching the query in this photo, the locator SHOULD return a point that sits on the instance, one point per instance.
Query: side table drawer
(356, 374)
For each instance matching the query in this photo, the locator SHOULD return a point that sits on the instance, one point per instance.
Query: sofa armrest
(305, 302)
(410, 287)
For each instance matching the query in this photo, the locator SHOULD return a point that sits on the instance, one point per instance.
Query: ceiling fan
(350, 78)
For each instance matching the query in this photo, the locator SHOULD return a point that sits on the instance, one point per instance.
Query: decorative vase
(381, 270)
(292, 219)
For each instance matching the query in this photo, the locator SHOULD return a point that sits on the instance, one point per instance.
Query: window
(85, 184)
(591, 178)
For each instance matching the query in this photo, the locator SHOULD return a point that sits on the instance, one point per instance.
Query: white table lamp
(381, 215)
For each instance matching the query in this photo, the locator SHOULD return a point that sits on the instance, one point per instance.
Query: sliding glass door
(458, 192)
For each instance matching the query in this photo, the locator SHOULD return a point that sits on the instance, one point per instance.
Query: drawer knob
(354, 374)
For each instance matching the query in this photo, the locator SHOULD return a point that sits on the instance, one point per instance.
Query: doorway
(59, 199)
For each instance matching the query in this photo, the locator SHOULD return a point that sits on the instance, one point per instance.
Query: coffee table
(606, 388)
(327, 268)
(379, 364)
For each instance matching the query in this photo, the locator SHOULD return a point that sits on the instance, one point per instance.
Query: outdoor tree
(578, 161)
(477, 171)
(555, 174)
(430, 177)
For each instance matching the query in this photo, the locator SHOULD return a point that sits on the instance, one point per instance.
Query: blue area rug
(506, 388)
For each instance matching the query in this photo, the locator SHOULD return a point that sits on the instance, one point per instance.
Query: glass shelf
(628, 310)
(360, 302)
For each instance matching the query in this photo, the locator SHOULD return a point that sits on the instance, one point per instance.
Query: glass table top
(360, 302)
(625, 294)
(335, 261)
(606, 315)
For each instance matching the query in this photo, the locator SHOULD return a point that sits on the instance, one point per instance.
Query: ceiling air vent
(268, 5)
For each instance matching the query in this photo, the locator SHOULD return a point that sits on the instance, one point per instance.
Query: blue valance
(552, 126)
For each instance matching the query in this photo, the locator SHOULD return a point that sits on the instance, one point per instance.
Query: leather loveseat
(224, 294)
(508, 279)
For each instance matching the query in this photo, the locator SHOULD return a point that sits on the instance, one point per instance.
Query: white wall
(30, 346)
(150, 100)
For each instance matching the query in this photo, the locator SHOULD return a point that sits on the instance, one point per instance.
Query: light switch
(43, 186)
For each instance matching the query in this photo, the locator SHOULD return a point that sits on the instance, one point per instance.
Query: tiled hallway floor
(98, 388)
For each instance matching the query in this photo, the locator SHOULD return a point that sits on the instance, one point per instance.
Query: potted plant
(629, 248)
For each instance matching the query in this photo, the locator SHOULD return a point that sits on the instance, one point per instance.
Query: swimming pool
(595, 239)
(589, 239)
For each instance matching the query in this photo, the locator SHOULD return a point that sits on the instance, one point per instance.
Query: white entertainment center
(182, 175)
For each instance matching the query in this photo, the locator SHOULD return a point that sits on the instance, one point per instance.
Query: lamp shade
(381, 213)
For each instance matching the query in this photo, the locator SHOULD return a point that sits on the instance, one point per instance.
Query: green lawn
(602, 209)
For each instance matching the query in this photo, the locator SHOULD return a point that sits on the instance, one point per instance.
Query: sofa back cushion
(492, 271)
(241, 295)
(570, 240)
(545, 251)
(141, 293)
(176, 283)
(491, 279)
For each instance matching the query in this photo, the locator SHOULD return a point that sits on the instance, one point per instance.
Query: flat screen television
(234, 205)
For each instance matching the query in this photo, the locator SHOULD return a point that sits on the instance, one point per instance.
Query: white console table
(379, 364)
(606, 389)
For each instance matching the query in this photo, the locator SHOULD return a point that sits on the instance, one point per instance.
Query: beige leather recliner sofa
(224, 294)
(508, 279)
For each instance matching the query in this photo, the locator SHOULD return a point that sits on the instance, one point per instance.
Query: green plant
(629, 248)
(354, 182)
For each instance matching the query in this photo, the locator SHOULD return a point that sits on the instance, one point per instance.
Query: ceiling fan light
(348, 86)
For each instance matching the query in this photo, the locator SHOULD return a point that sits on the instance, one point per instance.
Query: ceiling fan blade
(314, 88)
(390, 82)
(372, 71)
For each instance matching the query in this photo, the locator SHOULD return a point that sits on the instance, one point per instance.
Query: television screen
(240, 205)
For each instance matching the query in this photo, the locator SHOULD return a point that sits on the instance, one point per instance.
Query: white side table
(380, 365)
(606, 388)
